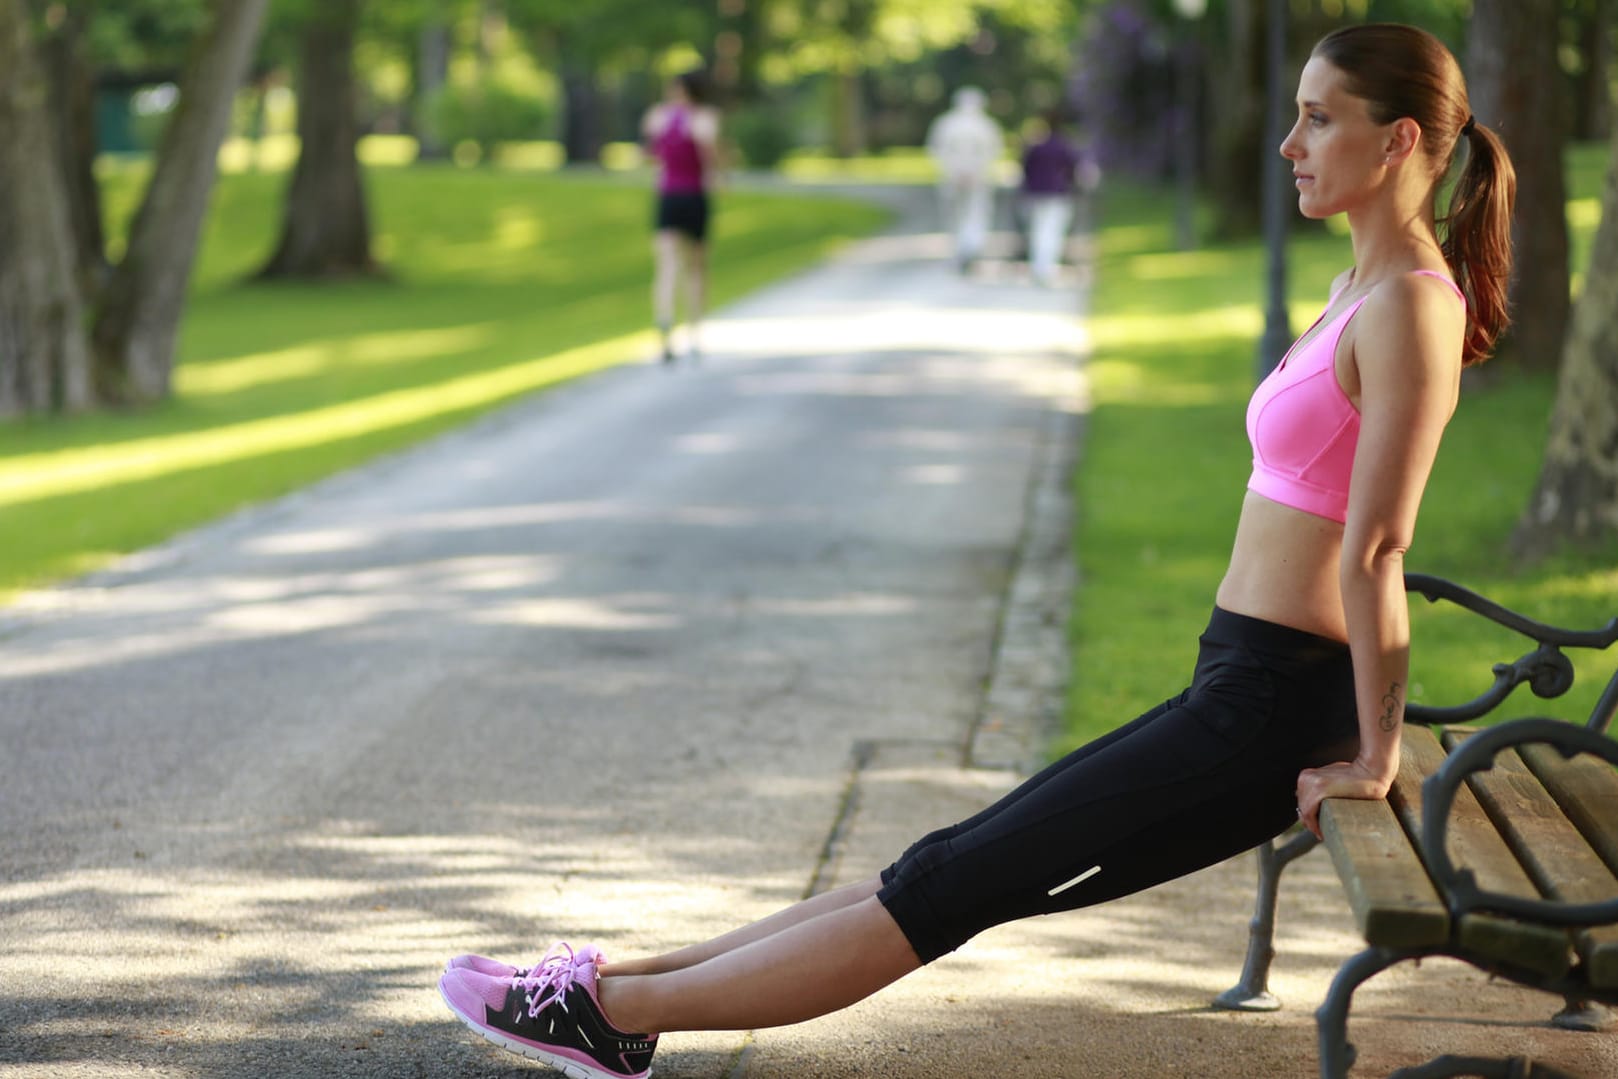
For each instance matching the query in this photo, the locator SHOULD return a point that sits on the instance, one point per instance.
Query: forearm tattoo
(1391, 708)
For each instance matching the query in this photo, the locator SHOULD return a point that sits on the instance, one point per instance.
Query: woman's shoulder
(1416, 289)
(705, 121)
(1412, 313)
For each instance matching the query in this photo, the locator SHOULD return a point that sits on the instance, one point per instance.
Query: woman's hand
(1346, 779)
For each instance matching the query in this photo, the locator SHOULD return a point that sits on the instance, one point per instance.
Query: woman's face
(1338, 154)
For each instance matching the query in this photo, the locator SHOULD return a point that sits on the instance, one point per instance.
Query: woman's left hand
(1346, 779)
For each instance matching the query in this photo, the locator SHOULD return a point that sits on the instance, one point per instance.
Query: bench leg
(1583, 1015)
(1331, 1019)
(1252, 992)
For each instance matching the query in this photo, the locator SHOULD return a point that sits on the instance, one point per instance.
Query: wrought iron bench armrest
(1477, 754)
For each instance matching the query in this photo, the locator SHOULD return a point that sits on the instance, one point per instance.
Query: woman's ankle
(616, 1003)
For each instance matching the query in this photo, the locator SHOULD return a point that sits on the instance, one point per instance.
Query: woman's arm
(705, 132)
(1407, 353)
(651, 124)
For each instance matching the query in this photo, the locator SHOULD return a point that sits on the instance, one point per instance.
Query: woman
(682, 132)
(1310, 618)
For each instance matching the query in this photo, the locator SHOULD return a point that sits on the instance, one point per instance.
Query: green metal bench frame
(1548, 673)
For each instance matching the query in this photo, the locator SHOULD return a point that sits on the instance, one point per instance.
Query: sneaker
(482, 964)
(550, 1014)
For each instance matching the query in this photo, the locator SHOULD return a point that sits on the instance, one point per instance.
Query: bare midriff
(1284, 569)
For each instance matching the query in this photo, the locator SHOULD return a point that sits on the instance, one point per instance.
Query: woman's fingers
(1345, 780)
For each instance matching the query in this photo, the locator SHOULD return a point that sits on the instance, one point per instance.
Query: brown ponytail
(1402, 71)
(1477, 239)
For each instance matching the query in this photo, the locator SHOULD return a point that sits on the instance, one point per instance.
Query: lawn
(1166, 459)
(501, 282)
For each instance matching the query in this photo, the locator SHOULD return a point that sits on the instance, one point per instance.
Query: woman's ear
(1404, 135)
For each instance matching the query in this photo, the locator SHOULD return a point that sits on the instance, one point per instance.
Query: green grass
(896, 165)
(503, 282)
(1166, 459)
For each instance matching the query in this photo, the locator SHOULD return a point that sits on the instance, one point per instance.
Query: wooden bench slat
(1586, 789)
(1393, 901)
(1561, 864)
(1475, 844)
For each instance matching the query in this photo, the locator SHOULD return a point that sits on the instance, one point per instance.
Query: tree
(1592, 85)
(90, 46)
(420, 35)
(44, 356)
(326, 227)
(1236, 138)
(1516, 89)
(1576, 498)
(66, 52)
(134, 317)
(581, 41)
(431, 73)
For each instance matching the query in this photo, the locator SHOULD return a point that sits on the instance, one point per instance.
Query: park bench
(1497, 846)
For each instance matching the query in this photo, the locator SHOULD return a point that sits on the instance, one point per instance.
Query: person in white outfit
(965, 143)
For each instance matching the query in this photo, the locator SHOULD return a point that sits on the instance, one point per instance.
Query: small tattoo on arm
(1390, 708)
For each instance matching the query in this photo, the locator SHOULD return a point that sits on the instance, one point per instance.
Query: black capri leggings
(1199, 778)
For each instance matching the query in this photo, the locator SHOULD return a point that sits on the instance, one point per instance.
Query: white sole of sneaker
(566, 1065)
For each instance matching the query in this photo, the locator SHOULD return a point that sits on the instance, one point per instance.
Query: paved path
(600, 667)
(645, 657)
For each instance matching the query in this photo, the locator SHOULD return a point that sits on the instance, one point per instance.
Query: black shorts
(1198, 779)
(684, 212)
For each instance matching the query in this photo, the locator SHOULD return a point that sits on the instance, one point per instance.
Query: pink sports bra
(1303, 427)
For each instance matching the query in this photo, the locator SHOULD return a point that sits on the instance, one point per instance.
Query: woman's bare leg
(799, 912)
(807, 969)
(695, 269)
(667, 257)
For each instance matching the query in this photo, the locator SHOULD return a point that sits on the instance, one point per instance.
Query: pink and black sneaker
(482, 964)
(551, 1014)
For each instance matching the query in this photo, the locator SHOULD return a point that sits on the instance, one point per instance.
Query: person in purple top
(1050, 167)
(682, 133)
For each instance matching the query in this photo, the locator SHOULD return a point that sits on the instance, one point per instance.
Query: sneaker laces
(555, 974)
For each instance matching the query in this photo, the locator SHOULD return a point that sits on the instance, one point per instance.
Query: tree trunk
(326, 231)
(582, 137)
(1237, 155)
(1593, 104)
(739, 47)
(141, 307)
(44, 352)
(432, 72)
(73, 100)
(1576, 500)
(1517, 90)
(848, 116)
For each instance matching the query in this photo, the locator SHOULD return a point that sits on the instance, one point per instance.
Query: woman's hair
(1401, 71)
(695, 84)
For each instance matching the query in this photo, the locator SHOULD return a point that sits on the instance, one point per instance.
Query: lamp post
(1277, 327)
(1185, 133)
